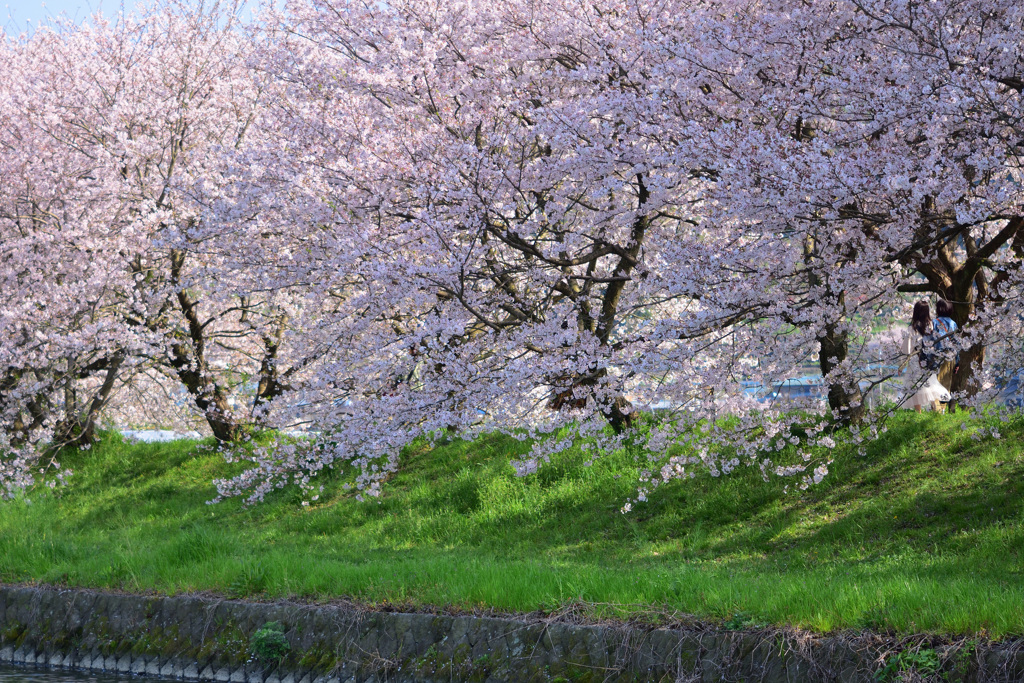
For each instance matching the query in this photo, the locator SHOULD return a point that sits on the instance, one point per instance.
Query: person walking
(942, 327)
(932, 395)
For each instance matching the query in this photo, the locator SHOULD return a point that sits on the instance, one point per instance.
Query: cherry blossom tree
(119, 138)
(58, 352)
(896, 128)
(519, 228)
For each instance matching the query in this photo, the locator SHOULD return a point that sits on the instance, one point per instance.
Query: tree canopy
(383, 221)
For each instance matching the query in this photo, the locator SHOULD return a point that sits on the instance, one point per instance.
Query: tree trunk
(218, 416)
(847, 403)
(620, 414)
(966, 378)
(188, 359)
(962, 295)
(79, 427)
(270, 384)
(618, 411)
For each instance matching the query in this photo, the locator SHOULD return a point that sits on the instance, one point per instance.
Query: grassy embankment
(923, 534)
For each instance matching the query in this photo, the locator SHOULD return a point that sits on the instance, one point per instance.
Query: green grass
(924, 533)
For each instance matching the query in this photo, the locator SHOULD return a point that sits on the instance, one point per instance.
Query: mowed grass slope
(924, 533)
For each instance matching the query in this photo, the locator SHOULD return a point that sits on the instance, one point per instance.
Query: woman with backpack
(918, 342)
(943, 326)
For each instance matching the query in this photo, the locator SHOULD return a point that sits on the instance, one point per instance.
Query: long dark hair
(943, 309)
(922, 320)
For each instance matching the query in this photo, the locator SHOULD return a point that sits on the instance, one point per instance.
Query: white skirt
(931, 391)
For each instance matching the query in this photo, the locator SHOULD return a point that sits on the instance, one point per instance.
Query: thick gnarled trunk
(846, 403)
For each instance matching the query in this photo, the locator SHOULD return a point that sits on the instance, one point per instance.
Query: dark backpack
(927, 359)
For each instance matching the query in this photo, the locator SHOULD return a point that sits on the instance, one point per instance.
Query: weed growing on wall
(269, 643)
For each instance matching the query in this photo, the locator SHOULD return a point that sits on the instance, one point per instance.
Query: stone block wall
(207, 639)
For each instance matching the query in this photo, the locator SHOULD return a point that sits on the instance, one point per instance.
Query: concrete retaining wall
(205, 639)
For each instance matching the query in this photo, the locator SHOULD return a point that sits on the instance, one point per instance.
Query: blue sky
(18, 13)
(34, 10)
